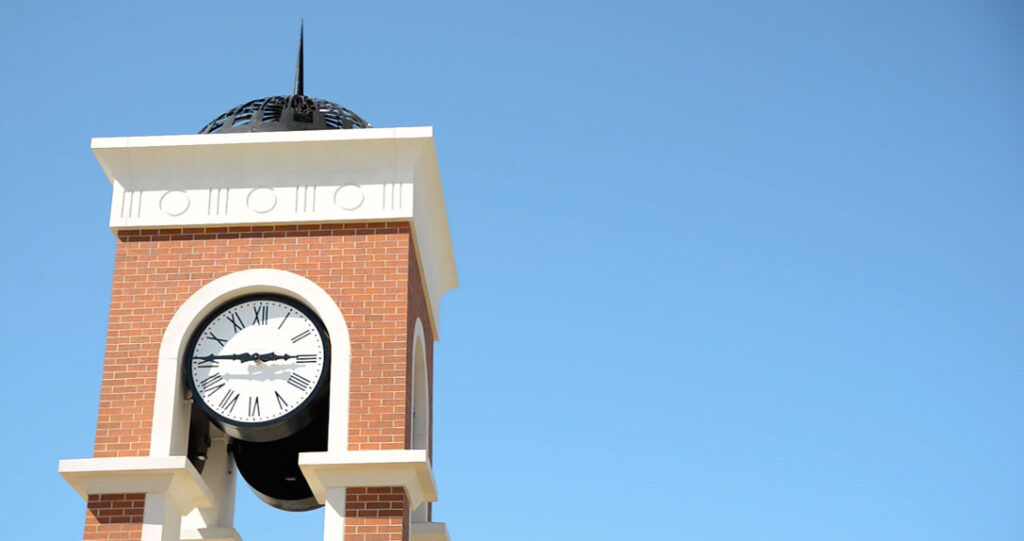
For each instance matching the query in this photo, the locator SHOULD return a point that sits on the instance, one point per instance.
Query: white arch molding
(421, 405)
(169, 435)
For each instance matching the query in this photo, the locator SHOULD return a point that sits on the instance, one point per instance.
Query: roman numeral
(280, 401)
(208, 363)
(310, 358)
(236, 321)
(300, 336)
(254, 406)
(298, 382)
(211, 336)
(285, 319)
(260, 314)
(210, 381)
(229, 400)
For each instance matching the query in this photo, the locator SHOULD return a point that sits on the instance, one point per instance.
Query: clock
(258, 367)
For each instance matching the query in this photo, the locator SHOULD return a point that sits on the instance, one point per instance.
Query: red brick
(370, 269)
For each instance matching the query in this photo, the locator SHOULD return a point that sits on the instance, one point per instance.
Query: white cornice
(407, 468)
(325, 176)
(428, 531)
(171, 475)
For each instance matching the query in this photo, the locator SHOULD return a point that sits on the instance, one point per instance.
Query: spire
(298, 64)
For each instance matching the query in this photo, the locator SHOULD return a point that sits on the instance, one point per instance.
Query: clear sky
(729, 271)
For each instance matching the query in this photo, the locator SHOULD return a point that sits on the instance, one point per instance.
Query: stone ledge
(174, 476)
(429, 531)
(210, 534)
(409, 469)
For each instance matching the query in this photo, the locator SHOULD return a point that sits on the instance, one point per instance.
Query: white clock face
(257, 360)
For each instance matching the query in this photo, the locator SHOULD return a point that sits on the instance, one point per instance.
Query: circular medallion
(174, 202)
(349, 196)
(261, 200)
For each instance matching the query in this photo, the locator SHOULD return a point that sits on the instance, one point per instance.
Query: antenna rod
(298, 64)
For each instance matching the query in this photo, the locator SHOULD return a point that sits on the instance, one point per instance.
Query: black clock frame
(286, 425)
(272, 468)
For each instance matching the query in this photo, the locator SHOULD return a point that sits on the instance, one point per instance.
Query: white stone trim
(210, 534)
(428, 531)
(216, 522)
(173, 476)
(170, 411)
(421, 419)
(334, 514)
(325, 176)
(433, 238)
(407, 468)
(161, 520)
(421, 404)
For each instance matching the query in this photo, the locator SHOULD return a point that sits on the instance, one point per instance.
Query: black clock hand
(275, 357)
(244, 357)
(262, 357)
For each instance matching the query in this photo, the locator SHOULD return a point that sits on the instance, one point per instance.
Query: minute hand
(244, 357)
(285, 357)
(257, 357)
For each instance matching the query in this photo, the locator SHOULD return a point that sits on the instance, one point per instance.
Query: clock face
(257, 360)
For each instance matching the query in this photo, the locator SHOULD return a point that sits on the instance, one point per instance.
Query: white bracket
(173, 476)
(407, 468)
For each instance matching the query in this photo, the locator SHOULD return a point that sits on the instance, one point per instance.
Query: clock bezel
(287, 424)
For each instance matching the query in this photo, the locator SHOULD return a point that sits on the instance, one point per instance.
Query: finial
(298, 64)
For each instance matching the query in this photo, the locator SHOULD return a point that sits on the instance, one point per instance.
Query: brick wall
(376, 514)
(114, 517)
(364, 267)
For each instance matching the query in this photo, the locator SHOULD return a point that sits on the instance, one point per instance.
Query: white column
(161, 520)
(217, 521)
(334, 515)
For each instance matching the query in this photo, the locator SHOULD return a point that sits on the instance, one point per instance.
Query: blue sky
(729, 271)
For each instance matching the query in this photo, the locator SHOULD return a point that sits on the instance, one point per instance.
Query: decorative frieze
(259, 204)
(274, 178)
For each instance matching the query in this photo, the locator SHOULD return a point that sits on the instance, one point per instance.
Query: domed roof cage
(286, 113)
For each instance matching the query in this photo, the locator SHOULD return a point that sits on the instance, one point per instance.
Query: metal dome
(285, 113)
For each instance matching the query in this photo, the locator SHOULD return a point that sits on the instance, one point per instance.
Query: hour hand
(256, 357)
(285, 357)
(234, 357)
(274, 357)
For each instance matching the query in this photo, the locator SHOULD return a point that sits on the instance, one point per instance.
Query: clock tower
(275, 301)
